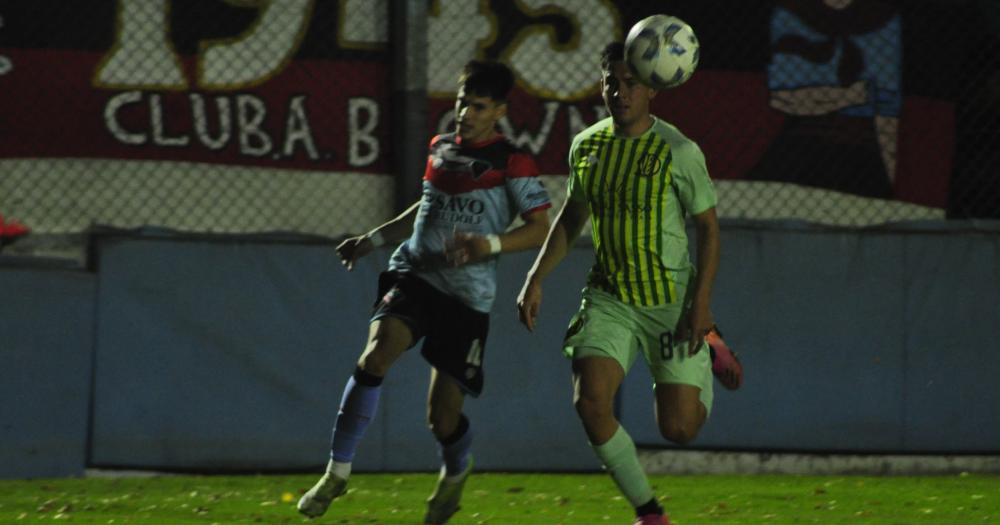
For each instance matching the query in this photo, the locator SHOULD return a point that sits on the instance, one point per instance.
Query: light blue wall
(46, 337)
(872, 342)
(232, 354)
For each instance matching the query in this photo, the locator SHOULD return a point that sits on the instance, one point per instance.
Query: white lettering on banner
(535, 142)
(456, 31)
(535, 49)
(297, 130)
(5, 63)
(524, 139)
(532, 53)
(160, 137)
(259, 53)
(142, 55)
(223, 109)
(138, 61)
(360, 133)
(250, 114)
(364, 24)
(142, 58)
(111, 109)
(576, 121)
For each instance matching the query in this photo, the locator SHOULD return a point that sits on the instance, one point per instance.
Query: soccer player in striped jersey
(636, 178)
(441, 283)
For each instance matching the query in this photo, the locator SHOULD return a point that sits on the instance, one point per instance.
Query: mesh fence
(218, 116)
(199, 116)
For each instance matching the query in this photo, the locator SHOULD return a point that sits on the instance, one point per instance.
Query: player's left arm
(471, 247)
(529, 235)
(699, 320)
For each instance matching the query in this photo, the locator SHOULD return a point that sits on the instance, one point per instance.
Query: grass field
(544, 499)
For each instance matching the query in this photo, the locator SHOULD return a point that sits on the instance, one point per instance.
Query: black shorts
(454, 335)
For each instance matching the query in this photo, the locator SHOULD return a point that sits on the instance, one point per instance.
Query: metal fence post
(408, 37)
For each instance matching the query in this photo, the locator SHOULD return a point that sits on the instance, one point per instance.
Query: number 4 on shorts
(475, 355)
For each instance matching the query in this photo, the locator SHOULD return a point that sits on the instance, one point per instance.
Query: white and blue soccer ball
(662, 51)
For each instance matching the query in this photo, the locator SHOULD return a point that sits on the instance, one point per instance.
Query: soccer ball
(661, 51)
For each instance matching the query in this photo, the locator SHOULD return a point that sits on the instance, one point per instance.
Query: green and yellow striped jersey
(638, 191)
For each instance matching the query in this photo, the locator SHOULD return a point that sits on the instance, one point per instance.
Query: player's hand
(695, 325)
(354, 248)
(465, 248)
(529, 301)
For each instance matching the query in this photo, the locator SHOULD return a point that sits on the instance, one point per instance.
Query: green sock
(620, 459)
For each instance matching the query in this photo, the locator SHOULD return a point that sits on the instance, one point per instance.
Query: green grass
(509, 499)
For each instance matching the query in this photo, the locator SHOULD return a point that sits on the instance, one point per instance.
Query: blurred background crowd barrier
(235, 117)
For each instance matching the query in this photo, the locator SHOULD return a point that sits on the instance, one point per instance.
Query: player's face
(476, 117)
(627, 99)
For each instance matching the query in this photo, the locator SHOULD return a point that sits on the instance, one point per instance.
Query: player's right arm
(395, 230)
(564, 232)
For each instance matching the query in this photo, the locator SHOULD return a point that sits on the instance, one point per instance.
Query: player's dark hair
(486, 78)
(613, 52)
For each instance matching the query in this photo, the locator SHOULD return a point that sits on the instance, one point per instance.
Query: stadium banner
(798, 92)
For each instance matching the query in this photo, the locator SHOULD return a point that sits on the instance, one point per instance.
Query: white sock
(619, 458)
(341, 470)
(454, 479)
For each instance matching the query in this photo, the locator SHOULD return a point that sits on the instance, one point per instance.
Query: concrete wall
(883, 341)
(46, 342)
(232, 354)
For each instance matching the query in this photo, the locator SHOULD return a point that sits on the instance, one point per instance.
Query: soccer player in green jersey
(636, 178)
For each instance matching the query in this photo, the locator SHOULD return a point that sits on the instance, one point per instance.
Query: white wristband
(376, 238)
(494, 241)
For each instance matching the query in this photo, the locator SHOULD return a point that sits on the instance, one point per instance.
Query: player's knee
(376, 360)
(678, 431)
(374, 364)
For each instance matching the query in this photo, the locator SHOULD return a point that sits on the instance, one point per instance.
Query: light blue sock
(357, 408)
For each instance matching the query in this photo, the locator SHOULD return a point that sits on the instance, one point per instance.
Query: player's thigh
(388, 338)
(601, 328)
(444, 403)
(596, 380)
(396, 322)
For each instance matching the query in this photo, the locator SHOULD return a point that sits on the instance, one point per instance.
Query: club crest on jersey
(649, 165)
(448, 158)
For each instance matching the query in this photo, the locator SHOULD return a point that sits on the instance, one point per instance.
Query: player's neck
(480, 139)
(636, 128)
